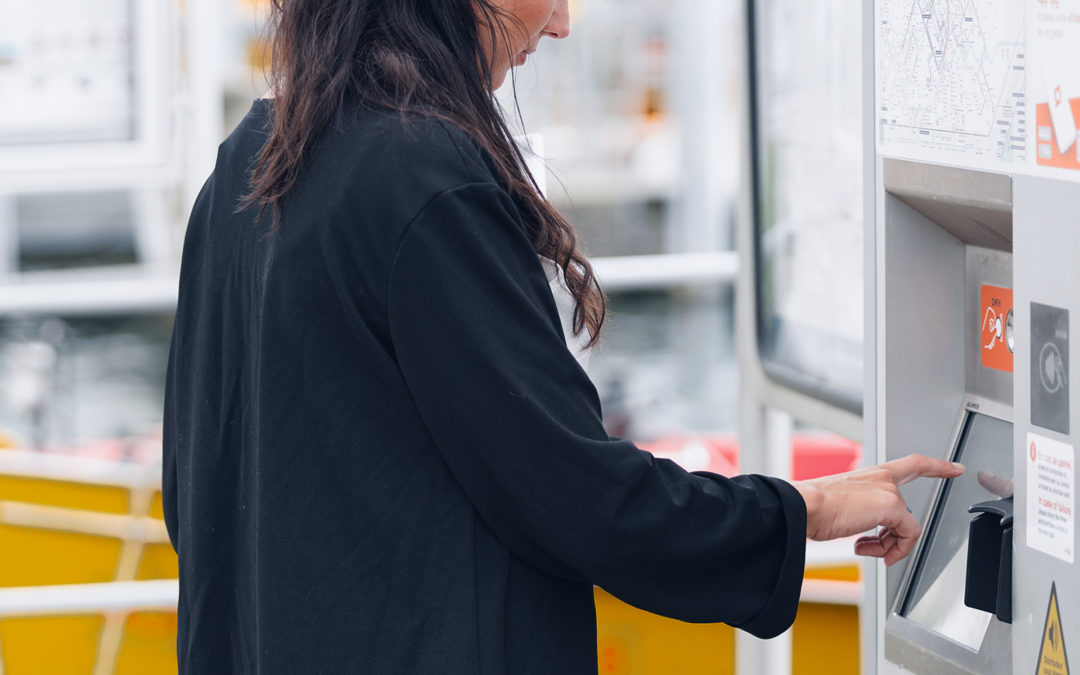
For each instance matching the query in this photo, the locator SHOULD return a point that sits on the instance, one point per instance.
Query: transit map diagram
(952, 77)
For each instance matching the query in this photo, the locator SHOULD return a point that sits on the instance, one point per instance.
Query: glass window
(809, 173)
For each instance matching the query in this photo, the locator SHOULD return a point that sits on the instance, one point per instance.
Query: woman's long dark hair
(422, 57)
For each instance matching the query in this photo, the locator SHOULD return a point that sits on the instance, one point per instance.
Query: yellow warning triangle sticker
(1052, 659)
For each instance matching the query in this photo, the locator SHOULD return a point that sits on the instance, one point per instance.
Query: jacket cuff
(779, 612)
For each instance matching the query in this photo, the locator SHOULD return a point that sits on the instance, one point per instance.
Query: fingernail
(958, 465)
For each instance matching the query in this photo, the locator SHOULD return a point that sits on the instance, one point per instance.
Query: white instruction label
(1051, 500)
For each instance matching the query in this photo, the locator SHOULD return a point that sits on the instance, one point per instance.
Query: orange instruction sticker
(1047, 146)
(996, 331)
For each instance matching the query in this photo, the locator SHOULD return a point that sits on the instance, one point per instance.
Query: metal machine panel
(976, 107)
(935, 273)
(975, 207)
(1047, 260)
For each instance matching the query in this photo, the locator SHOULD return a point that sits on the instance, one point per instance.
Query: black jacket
(380, 456)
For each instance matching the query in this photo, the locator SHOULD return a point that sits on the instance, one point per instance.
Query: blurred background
(121, 110)
(110, 115)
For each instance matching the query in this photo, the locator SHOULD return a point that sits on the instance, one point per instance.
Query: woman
(380, 455)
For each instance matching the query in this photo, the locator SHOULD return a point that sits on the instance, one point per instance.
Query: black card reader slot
(988, 584)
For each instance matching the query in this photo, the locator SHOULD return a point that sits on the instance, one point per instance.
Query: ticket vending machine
(975, 294)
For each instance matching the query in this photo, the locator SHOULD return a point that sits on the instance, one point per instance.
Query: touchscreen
(936, 595)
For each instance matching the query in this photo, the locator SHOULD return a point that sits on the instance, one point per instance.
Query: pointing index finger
(907, 469)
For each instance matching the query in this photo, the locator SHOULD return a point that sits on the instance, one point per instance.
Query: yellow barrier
(825, 638)
(71, 532)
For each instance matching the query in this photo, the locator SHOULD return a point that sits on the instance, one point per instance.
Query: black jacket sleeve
(476, 334)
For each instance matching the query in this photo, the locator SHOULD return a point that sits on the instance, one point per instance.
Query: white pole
(698, 90)
(204, 38)
(9, 236)
(116, 596)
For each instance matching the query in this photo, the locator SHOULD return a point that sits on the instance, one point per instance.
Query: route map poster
(985, 83)
(951, 77)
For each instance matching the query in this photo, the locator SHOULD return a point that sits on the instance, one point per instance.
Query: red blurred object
(812, 455)
(718, 454)
(141, 449)
(815, 455)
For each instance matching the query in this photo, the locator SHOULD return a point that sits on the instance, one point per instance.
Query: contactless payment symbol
(1052, 372)
(996, 332)
(1050, 367)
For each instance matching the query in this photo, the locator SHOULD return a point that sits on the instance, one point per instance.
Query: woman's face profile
(534, 19)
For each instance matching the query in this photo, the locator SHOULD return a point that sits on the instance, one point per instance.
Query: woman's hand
(849, 503)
